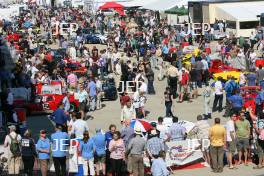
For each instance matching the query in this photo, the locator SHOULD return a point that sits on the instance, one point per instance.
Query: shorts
(99, 159)
(205, 144)
(242, 143)
(231, 147)
(260, 148)
(82, 106)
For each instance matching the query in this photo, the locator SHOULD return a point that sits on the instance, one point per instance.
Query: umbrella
(111, 5)
(141, 124)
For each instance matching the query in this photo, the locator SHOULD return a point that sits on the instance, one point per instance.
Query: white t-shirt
(218, 88)
(143, 87)
(230, 126)
(78, 128)
(163, 129)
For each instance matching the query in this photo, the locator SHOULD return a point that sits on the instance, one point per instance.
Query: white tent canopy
(164, 4)
(246, 11)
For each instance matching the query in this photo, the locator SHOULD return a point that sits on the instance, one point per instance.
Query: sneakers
(205, 164)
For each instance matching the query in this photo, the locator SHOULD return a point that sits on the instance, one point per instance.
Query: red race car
(13, 37)
(217, 66)
(51, 96)
(249, 94)
(259, 63)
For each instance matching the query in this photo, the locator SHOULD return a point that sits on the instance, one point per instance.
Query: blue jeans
(151, 87)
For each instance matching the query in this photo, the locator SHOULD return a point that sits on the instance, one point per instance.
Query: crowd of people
(132, 57)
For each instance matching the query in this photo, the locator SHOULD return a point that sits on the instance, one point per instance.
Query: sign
(180, 153)
(51, 89)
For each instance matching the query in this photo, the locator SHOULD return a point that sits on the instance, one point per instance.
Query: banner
(180, 153)
(51, 89)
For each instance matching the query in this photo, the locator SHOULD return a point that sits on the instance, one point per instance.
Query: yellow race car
(225, 74)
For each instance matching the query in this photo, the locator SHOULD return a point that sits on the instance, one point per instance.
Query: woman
(168, 102)
(117, 154)
(43, 149)
(258, 125)
(28, 153)
(87, 150)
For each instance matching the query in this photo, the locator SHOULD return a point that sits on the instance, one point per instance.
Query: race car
(217, 66)
(249, 94)
(50, 96)
(94, 38)
(109, 89)
(259, 63)
(225, 74)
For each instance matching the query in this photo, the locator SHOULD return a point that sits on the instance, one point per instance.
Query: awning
(111, 5)
(164, 4)
(246, 11)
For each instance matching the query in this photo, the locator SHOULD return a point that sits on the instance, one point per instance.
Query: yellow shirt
(217, 135)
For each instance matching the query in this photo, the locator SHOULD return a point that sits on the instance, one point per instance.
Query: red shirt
(124, 99)
(185, 78)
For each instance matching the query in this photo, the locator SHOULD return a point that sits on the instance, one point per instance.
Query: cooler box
(21, 114)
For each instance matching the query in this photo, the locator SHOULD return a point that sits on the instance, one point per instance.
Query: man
(59, 142)
(231, 139)
(163, 129)
(202, 127)
(207, 98)
(150, 77)
(230, 87)
(242, 127)
(173, 73)
(108, 138)
(100, 155)
(218, 99)
(92, 94)
(205, 69)
(154, 145)
(128, 112)
(127, 133)
(259, 101)
(159, 166)
(99, 92)
(12, 142)
(83, 98)
(217, 137)
(236, 102)
(260, 75)
(79, 126)
(60, 118)
(66, 102)
(135, 150)
(176, 131)
(183, 84)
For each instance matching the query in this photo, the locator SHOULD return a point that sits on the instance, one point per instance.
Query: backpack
(14, 146)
